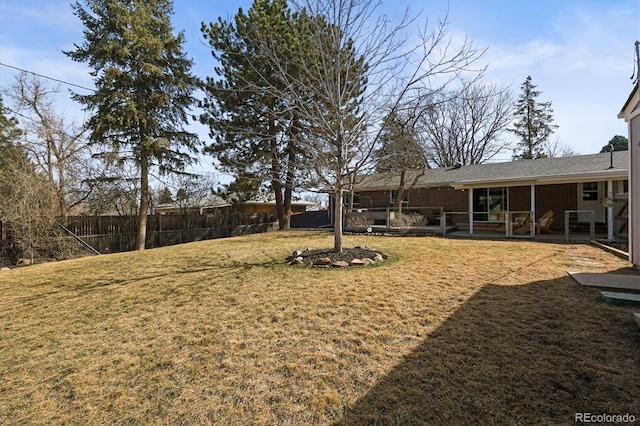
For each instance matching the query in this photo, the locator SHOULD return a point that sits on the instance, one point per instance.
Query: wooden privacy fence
(110, 234)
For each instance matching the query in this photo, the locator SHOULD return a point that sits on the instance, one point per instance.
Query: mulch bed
(347, 255)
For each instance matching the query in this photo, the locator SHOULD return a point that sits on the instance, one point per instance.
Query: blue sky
(580, 53)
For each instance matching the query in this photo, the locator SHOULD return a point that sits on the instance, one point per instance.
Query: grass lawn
(445, 331)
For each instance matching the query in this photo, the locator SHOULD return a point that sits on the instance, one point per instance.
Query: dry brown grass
(223, 332)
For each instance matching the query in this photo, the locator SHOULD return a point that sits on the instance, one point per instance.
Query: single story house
(214, 202)
(483, 196)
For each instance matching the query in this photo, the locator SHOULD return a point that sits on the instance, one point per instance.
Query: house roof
(214, 201)
(625, 108)
(583, 168)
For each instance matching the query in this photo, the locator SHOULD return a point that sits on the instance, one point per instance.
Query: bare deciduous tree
(116, 189)
(27, 201)
(555, 148)
(193, 192)
(356, 70)
(57, 147)
(464, 127)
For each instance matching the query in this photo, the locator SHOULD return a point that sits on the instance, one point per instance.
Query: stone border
(297, 259)
(621, 254)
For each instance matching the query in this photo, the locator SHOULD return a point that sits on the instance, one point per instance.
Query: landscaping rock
(340, 264)
(328, 258)
(322, 261)
(5, 269)
(297, 261)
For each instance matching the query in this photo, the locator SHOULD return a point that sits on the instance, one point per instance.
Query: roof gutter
(530, 180)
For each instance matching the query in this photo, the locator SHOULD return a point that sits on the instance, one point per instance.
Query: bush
(359, 220)
(403, 220)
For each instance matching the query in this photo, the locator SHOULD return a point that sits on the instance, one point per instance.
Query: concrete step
(620, 298)
(614, 281)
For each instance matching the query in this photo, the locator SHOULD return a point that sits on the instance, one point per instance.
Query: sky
(579, 53)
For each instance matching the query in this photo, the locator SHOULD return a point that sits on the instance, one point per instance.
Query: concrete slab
(620, 298)
(619, 281)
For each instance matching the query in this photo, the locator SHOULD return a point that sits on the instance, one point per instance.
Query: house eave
(627, 112)
(547, 180)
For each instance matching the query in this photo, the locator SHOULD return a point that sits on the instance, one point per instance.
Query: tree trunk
(288, 185)
(286, 207)
(337, 226)
(397, 203)
(144, 202)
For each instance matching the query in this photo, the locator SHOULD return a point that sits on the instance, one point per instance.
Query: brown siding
(450, 199)
(520, 198)
(558, 198)
(373, 199)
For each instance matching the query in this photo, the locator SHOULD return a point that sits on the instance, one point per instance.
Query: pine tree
(400, 148)
(253, 127)
(165, 196)
(533, 124)
(10, 150)
(144, 88)
(620, 143)
(400, 153)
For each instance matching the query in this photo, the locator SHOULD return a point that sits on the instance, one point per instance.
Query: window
(489, 204)
(590, 191)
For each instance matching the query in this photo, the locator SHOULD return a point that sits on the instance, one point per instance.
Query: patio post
(610, 210)
(533, 209)
(470, 211)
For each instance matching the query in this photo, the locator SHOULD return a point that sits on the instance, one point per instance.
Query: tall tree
(533, 122)
(464, 126)
(144, 88)
(555, 148)
(253, 127)
(400, 153)
(351, 70)
(9, 138)
(57, 147)
(26, 198)
(620, 143)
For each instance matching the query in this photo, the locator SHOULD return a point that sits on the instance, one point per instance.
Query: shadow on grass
(228, 267)
(530, 354)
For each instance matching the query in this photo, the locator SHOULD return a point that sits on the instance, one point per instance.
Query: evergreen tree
(400, 148)
(533, 124)
(10, 150)
(144, 87)
(165, 196)
(620, 143)
(254, 129)
(400, 153)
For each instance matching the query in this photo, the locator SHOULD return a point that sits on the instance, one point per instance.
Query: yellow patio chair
(522, 225)
(543, 225)
(519, 220)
